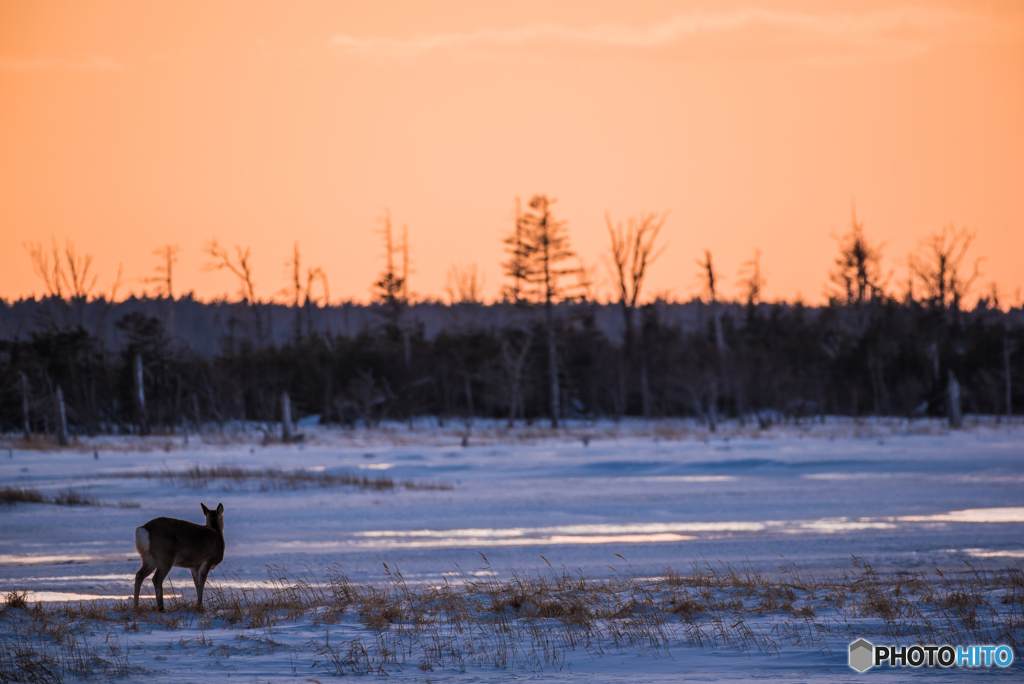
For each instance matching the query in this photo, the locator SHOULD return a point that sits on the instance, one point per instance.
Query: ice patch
(985, 553)
(635, 528)
(845, 476)
(833, 525)
(618, 538)
(687, 478)
(18, 559)
(553, 540)
(375, 466)
(63, 597)
(74, 578)
(971, 515)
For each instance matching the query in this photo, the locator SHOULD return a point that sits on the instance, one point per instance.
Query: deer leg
(158, 582)
(140, 576)
(204, 569)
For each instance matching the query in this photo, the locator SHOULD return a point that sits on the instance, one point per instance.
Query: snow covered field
(623, 502)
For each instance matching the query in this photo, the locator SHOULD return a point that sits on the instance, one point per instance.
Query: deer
(165, 543)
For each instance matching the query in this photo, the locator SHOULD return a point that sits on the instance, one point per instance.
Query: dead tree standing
(301, 293)
(1006, 372)
(140, 395)
(751, 279)
(164, 279)
(540, 246)
(286, 418)
(939, 267)
(514, 357)
(242, 268)
(464, 285)
(67, 276)
(517, 265)
(856, 277)
(632, 253)
(24, 406)
(710, 280)
(953, 402)
(392, 289)
(710, 287)
(62, 418)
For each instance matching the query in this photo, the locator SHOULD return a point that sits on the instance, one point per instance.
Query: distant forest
(72, 364)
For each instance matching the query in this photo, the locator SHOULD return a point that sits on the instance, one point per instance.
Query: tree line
(869, 351)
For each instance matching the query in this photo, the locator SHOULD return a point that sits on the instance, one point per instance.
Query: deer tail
(142, 540)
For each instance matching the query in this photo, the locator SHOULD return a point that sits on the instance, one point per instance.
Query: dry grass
(16, 600)
(51, 647)
(534, 621)
(69, 497)
(272, 479)
(13, 495)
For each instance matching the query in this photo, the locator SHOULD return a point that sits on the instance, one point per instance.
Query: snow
(814, 498)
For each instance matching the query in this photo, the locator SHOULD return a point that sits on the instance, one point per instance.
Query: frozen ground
(816, 499)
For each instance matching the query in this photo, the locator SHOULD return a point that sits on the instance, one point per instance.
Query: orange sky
(128, 125)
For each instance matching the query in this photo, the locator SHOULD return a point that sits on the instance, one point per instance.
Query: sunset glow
(128, 126)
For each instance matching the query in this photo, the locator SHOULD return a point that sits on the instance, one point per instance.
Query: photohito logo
(864, 655)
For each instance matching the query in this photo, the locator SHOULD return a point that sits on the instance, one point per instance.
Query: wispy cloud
(885, 32)
(85, 63)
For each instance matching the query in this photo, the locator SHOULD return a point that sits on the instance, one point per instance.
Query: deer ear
(220, 509)
(206, 511)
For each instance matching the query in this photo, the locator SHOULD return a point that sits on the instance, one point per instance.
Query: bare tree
(313, 276)
(856, 276)
(165, 271)
(464, 285)
(710, 278)
(295, 291)
(543, 246)
(751, 279)
(939, 267)
(405, 262)
(1006, 370)
(25, 406)
(513, 354)
(164, 280)
(301, 292)
(66, 276)
(586, 278)
(390, 289)
(48, 271)
(101, 326)
(633, 251)
(241, 267)
(517, 265)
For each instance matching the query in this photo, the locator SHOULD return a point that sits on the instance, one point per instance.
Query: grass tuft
(272, 479)
(13, 495)
(70, 497)
(16, 599)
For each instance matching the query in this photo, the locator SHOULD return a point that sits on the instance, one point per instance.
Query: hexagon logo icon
(862, 655)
